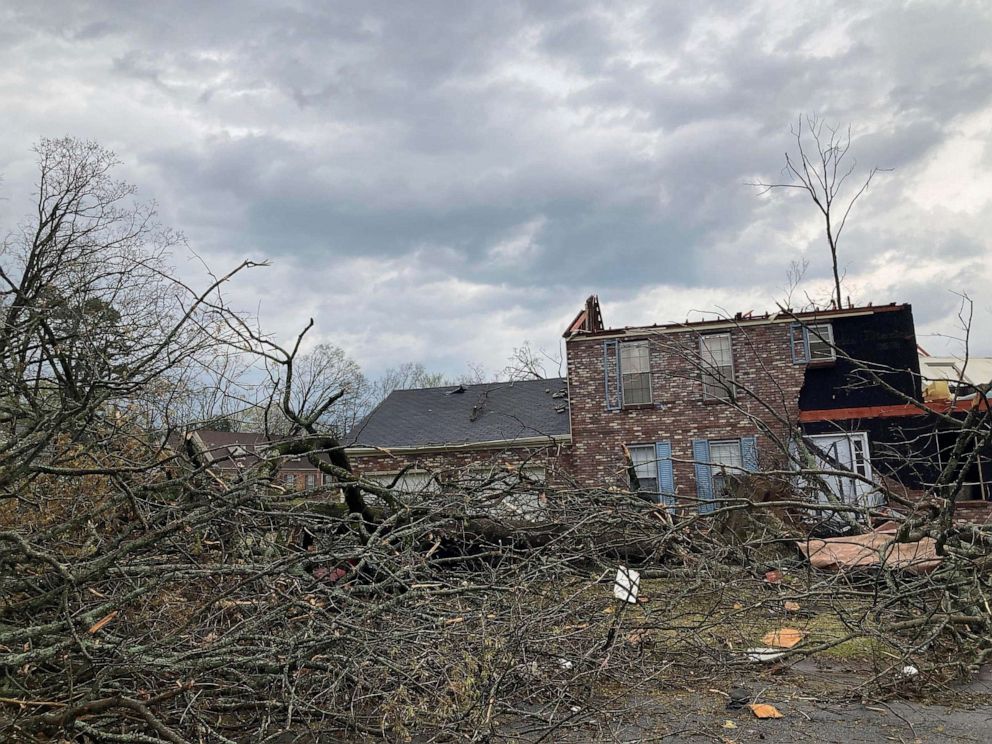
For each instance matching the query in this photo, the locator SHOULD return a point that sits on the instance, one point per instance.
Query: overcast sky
(439, 181)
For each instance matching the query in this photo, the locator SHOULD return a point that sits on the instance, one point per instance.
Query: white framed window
(726, 461)
(311, 480)
(716, 355)
(820, 342)
(328, 479)
(813, 343)
(837, 453)
(645, 465)
(635, 365)
(289, 479)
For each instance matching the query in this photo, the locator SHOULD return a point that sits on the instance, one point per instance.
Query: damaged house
(680, 409)
(228, 453)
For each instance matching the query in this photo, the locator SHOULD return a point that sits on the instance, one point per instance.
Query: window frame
(982, 486)
(805, 346)
(718, 380)
(862, 465)
(719, 470)
(651, 462)
(644, 374)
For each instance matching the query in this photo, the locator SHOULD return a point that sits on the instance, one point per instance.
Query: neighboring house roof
(975, 371)
(229, 450)
(502, 412)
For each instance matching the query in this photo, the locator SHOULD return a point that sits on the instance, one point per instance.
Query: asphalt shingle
(466, 414)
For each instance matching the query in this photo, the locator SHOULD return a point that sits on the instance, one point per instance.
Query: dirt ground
(807, 720)
(962, 715)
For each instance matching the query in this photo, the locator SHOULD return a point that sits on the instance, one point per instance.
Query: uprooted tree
(145, 598)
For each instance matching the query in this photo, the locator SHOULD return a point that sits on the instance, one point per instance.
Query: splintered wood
(783, 637)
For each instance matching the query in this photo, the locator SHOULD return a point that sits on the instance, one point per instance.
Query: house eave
(518, 443)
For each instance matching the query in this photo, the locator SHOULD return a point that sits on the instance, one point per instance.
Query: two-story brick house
(687, 405)
(694, 402)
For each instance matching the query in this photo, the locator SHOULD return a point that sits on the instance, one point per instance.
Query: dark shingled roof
(466, 414)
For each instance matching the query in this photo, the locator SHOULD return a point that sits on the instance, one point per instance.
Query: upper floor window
(718, 366)
(813, 343)
(635, 364)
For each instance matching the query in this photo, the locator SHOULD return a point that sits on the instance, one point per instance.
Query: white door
(848, 452)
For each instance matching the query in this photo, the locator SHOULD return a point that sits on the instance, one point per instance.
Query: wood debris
(783, 637)
(764, 710)
(102, 622)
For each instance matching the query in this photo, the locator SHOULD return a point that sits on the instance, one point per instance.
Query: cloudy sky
(439, 181)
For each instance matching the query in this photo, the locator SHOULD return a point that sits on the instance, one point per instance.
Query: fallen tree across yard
(145, 598)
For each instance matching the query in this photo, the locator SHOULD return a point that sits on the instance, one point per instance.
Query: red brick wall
(762, 365)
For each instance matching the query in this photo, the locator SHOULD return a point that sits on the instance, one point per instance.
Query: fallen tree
(145, 598)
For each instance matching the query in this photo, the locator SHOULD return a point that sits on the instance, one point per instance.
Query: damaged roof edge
(739, 320)
(589, 319)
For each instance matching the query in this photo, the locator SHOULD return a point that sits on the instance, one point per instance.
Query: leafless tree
(820, 166)
(528, 363)
(404, 377)
(323, 372)
(92, 319)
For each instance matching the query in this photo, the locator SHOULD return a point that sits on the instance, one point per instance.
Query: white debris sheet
(627, 585)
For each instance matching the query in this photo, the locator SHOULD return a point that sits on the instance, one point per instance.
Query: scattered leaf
(729, 725)
(764, 710)
(639, 637)
(791, 606)
(738, 606)
(774, 576)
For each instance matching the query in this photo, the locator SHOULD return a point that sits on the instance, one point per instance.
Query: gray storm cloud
(439, 181)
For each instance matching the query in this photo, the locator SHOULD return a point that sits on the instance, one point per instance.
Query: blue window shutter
(611, 374)
(666, 475)
(749, 453)
(704, 475)
(799, 343)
